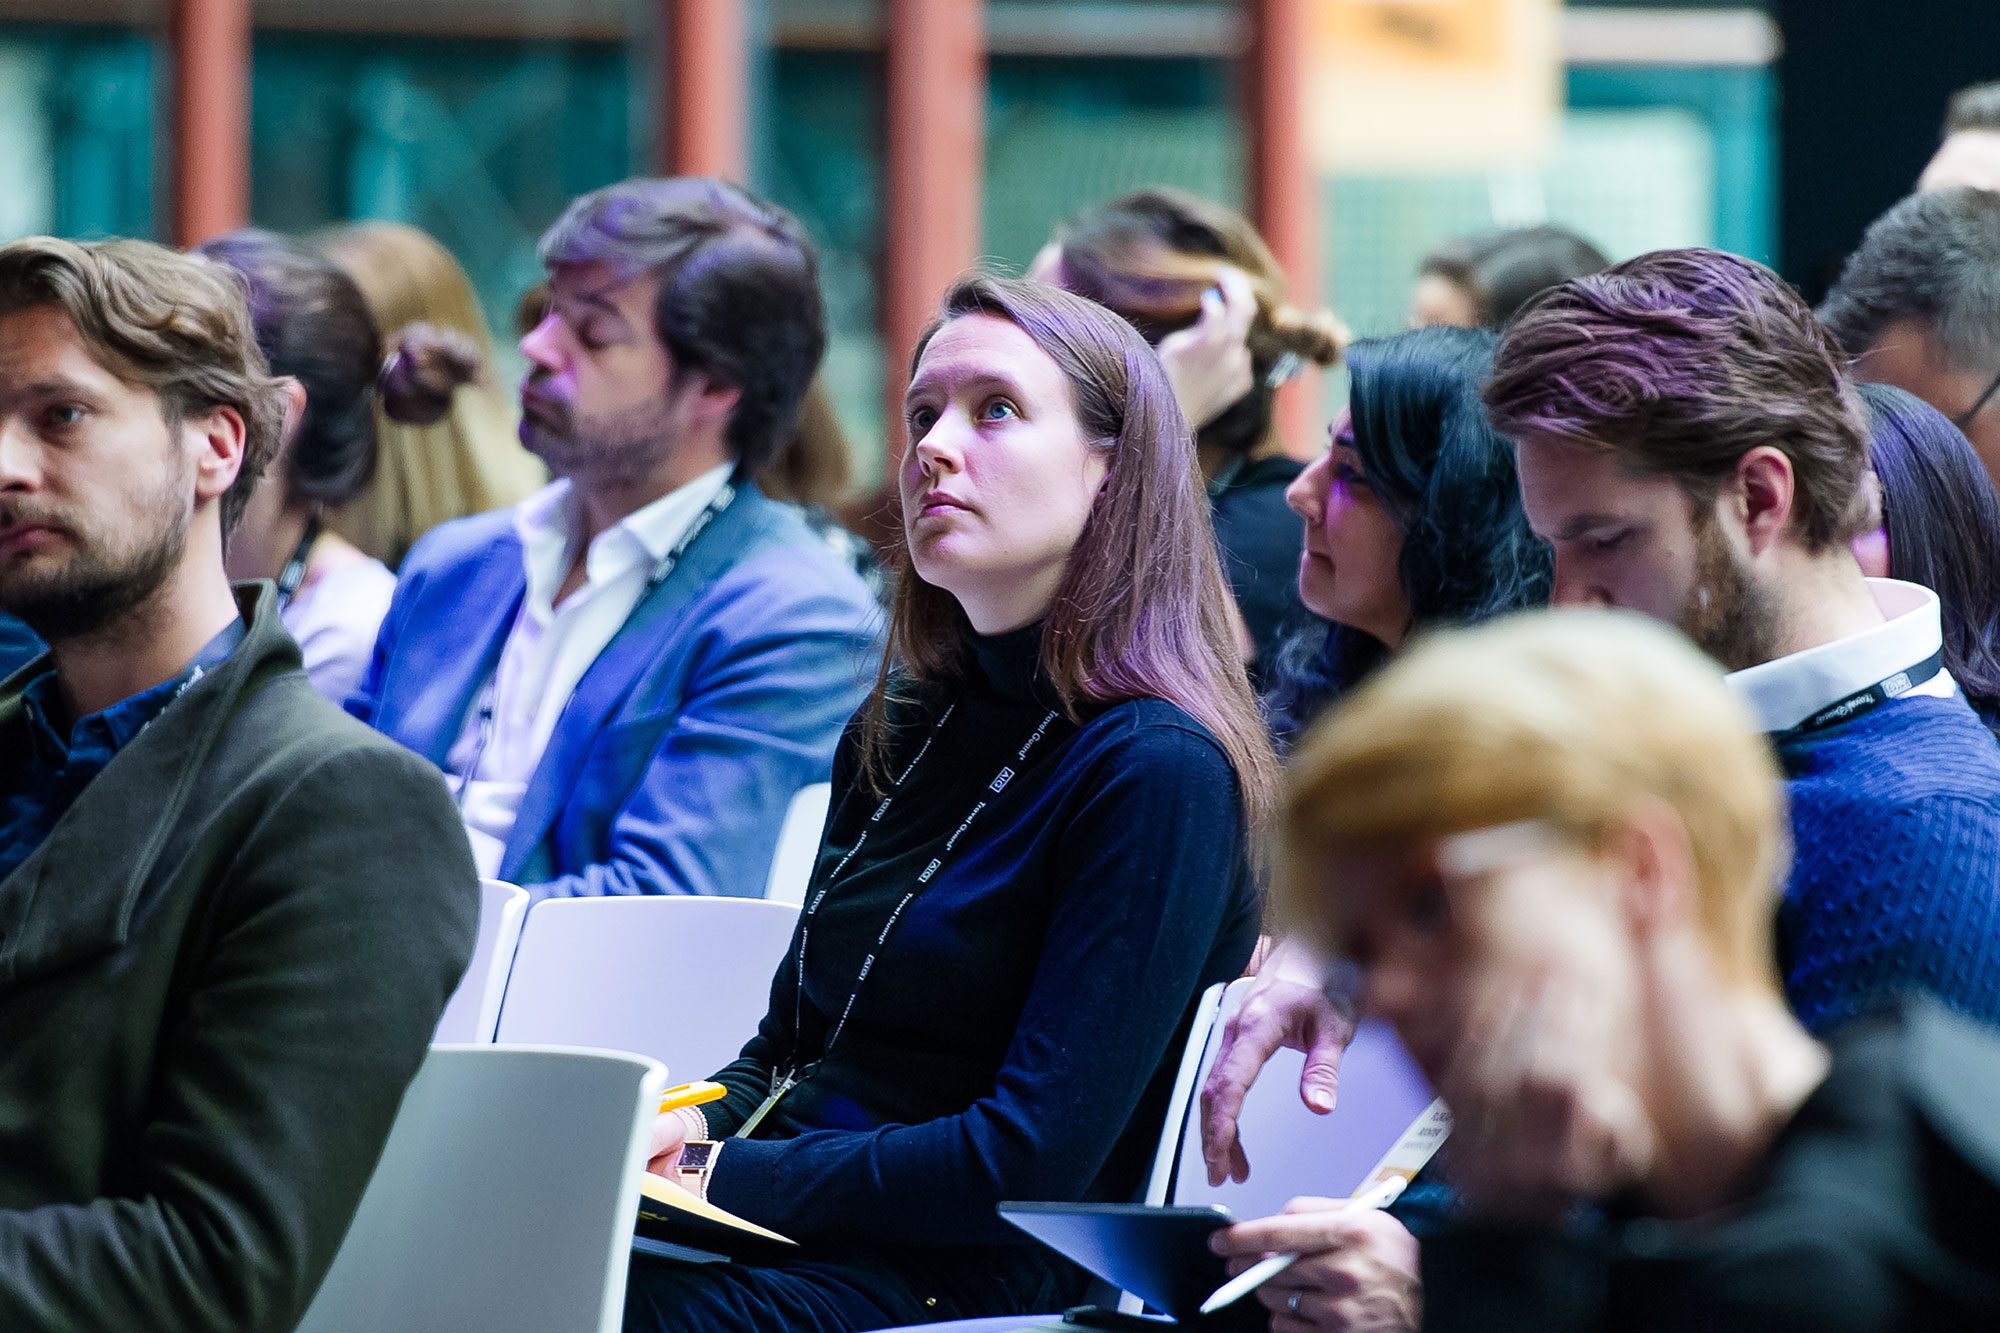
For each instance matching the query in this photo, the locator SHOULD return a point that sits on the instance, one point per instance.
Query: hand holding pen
(1325, 1264)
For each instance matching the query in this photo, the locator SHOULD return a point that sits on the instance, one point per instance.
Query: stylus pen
(1255, 1276)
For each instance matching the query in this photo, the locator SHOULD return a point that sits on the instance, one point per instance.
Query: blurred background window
(477, 119)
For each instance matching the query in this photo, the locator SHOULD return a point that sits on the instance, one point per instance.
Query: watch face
(694, 1157)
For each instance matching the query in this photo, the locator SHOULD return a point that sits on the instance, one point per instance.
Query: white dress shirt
(1785, 692)
(551, 646)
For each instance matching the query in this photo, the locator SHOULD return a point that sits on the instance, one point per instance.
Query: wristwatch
(692, 1173)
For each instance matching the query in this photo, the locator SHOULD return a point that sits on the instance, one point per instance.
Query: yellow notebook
(671, 1214)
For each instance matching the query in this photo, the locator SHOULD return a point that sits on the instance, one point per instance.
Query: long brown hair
(1141, 611)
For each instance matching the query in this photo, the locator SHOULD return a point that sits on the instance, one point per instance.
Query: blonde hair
(470, 461)
(1573, 719)
(814, 466)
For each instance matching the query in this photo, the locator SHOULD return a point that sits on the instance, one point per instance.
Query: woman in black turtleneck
(1045, 812)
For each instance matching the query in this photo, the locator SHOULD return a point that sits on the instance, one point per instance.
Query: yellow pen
(691, 1094)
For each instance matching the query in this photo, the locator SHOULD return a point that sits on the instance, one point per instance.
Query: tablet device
(1160, 1255)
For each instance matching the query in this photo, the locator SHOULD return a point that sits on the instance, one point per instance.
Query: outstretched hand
(1279, 1011)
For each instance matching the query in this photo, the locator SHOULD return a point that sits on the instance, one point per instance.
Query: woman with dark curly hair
(1413, 518)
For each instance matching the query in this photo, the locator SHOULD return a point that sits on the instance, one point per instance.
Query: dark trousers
(853, 1292)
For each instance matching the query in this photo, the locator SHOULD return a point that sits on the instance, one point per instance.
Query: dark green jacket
(217, 976)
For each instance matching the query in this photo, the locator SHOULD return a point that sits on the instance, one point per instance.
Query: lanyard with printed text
(784, 1082)
(1868, 700)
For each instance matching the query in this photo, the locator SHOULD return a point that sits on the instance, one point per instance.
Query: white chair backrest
(1293, 1151)
(473, 1009)
(1181, 1104)
(505, 1198)
(798, 844)
(684, 980)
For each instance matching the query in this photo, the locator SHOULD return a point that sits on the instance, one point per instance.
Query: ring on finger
(1292, 1303)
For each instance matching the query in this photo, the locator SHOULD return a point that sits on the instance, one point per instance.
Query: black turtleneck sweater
(1019, 1032)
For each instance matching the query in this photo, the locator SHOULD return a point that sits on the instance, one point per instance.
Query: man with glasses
(1918, 306)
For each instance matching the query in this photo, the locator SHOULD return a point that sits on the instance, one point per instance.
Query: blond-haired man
(1554, 845)
(229, 915)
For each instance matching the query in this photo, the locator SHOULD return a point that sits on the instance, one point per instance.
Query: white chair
(1195, 1059)
(505, 1199)
(473, 1009)
(684, 980)
(1291, 1150)
(798, 844)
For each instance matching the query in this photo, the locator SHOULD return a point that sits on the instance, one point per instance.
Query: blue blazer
(672, 766)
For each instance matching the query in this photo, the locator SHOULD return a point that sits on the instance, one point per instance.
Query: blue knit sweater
(1896, 875)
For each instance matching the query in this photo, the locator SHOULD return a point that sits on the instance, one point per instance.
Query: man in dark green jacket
(230, 916)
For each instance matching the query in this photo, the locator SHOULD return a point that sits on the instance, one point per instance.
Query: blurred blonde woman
(471, 460)
(1554, 847)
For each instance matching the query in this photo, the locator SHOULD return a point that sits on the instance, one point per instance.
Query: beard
(624, 445)
(101, 582)
(1729, 615)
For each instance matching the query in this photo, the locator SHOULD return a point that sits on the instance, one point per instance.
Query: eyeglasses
(1964, 419)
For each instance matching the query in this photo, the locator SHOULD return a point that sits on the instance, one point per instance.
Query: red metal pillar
(932, 173)
(211, 117)
(1283, 188)
(703, 105)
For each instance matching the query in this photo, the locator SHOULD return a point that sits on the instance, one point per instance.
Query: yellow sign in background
(1428, 86)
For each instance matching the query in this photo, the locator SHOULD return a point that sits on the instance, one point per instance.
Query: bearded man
(230, 915)
(628, 676)
(1691, 448)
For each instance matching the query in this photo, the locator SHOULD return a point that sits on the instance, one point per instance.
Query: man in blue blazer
(627, 677)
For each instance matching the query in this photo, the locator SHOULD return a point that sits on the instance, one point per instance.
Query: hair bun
(426, 367)
(1317, 335)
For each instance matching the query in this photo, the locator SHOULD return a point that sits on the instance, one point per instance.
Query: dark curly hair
(1447, 480)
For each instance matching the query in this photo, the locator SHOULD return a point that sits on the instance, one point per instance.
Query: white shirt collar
(547, 524)
(1785, 692)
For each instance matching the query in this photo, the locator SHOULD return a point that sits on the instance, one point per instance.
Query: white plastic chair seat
(1292, 1151)
(505, 1199)
(684, 980)
(474, 1007)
